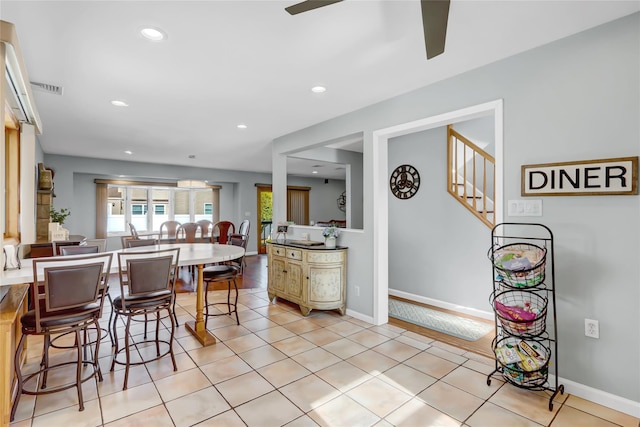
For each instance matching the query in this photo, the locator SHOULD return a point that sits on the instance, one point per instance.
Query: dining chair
(67, 298)
(206, 229)
(244, 227)
(187, 232)
(124, 240)
(100, 243)
(168, 230)
(141, 242)
(225, 272)
(57, 246)
(222, 229)
(147, 281)
(134, 232)
(90, 249)
(243, 233)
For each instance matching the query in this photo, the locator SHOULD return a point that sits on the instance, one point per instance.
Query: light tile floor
(280, 368)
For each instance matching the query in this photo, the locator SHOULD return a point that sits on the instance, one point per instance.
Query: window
(138, 209)
(119, 203)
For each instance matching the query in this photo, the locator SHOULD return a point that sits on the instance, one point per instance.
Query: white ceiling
(231, 62)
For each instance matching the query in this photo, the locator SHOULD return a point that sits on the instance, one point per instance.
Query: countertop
(318, 246)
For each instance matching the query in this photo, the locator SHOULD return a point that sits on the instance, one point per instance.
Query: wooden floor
(255, 276)
(481, 346)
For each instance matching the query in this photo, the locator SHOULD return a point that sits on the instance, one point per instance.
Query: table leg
(197, 328)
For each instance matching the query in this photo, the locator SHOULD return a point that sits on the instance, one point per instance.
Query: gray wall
(323, 197)
(353, 180)
(575, 99)
(237, 196)
(434, 242)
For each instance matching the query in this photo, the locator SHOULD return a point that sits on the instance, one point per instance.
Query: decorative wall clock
(342, 201)
(404, 182)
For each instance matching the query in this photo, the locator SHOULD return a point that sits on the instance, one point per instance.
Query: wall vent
(45, 87)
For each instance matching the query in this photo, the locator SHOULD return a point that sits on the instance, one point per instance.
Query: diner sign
(617, 176)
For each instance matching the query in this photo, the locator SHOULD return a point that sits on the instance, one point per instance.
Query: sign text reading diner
(582, 178)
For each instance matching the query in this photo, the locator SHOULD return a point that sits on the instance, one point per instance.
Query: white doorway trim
(380, 218)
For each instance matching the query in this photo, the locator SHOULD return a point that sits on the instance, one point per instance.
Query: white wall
(575, 99)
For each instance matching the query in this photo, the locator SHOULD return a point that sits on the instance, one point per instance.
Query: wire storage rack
(524, 304)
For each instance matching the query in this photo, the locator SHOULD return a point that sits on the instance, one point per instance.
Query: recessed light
(241, 126)
(119, 103)
(128, 152)
(314, 172)
(318, 89)
(153, 34)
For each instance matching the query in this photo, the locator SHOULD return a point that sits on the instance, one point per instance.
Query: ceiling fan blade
(309, 5)
(435, 14)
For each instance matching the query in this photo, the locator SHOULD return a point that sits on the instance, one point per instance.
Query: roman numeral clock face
(404, 182)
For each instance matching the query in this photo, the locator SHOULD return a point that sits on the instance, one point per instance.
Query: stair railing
(470, 167)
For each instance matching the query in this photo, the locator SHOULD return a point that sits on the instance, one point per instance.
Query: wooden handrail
(453, 177)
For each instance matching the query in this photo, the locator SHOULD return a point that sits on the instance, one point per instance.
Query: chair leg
(45, 360)
(229, 297)
(18, 371)
(84, 345)
(79, 369)
(115, 342)
(173, 310)
(158, 331)
(206, 304)
(110, 317)
(235, 304)
(96, 353)
(127, 351)
(173, 358)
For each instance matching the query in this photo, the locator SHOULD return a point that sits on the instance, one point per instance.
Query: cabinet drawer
(325, 256)
(278, 250)
(294, 254)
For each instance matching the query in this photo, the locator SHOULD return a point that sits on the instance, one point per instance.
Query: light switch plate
(528, 207)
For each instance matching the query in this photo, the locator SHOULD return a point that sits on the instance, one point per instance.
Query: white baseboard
(360, 316)
(487, 315)
(579, 390)
(600, 397)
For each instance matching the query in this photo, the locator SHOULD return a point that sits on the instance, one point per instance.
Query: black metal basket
(519, 265)
(516, 373)
(527, 301)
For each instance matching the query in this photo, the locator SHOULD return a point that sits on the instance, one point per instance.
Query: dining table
(191, 254)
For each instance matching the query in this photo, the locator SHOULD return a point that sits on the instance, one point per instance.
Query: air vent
(45, 87)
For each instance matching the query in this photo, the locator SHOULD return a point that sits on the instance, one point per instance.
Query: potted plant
(60, 216)
(330, 234)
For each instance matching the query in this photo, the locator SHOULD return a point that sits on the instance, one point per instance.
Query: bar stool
(91, 249)
(225, 272)
(69, 298)
(149, 277)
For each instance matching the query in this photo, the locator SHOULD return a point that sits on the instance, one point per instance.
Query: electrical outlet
(591, 328)
(357, 288)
